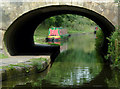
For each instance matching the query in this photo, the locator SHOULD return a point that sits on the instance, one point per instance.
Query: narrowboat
(56, 35)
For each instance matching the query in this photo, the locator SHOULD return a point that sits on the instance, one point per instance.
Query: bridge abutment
(21, 21)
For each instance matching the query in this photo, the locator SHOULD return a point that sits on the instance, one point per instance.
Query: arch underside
(18, 38)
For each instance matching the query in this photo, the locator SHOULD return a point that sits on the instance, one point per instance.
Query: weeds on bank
(35, 62)
(99, 40)
(2, 56)
(114, 49)
(113, 53)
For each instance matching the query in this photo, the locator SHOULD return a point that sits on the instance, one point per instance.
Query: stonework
(12, 10)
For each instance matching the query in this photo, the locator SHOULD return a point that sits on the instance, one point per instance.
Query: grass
(83, 29)
(38, 59)
(2, 56)
(40, 34)
(75, 31)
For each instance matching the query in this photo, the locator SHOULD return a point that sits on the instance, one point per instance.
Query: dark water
(78, 66)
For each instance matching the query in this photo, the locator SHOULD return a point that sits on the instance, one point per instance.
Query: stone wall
(12, 10)
(2, 31)
(0, 39)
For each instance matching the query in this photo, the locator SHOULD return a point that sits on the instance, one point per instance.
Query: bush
(114, 49)
(99, 40)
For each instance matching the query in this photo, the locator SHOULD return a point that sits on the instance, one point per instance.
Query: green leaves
(99, 39)
(73, 21)
(114, 49)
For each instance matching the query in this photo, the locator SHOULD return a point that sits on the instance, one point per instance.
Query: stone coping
(31, 66)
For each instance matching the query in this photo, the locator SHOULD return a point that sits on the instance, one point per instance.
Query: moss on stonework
(24, 68)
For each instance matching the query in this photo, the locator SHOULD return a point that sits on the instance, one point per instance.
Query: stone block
(1, 39)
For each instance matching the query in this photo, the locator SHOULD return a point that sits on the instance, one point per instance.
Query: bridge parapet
(12, 10)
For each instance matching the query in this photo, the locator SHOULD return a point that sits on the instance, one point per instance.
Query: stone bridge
(20, 19)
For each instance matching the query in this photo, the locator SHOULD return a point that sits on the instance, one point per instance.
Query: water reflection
(77, 67)
(80, 75)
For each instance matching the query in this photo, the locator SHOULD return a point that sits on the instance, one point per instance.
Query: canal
(78, 66)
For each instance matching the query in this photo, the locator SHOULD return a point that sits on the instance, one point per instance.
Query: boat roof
(56, 28)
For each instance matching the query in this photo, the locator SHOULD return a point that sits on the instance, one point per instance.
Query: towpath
(18, 59)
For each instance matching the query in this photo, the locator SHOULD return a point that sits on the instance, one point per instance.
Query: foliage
(55, 21)
(99, 40)
(77, 23)
(116, 1)
(114, 49)
(114, 81)
(69, 21)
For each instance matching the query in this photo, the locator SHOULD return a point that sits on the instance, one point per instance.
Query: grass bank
(2, 56)
(40, 34)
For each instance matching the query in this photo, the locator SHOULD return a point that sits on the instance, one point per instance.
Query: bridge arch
(18, 38)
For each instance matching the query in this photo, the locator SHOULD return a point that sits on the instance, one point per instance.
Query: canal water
(78, 66)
